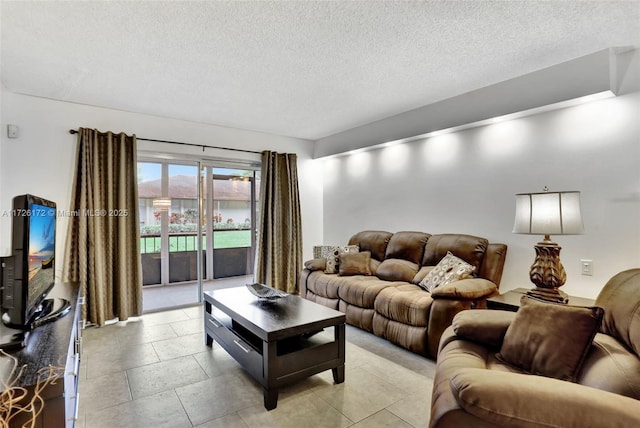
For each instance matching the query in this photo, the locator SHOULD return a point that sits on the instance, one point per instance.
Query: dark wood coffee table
(275, 341)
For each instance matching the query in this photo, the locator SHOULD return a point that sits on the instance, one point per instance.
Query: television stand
(11, 339)
(53, 344)
(52, 309)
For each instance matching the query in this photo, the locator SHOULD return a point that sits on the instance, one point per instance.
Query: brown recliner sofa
(473, 388)
(389, 303)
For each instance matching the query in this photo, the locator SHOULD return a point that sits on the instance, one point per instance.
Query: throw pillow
(332, 254)
(550, 339)
(354, 264)
(315, 264)
(450, 268)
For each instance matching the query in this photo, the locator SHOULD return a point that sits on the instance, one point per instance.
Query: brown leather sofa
(389, 303)
(473, 388)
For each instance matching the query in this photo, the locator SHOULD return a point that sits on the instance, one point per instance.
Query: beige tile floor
(164, 297)
(155, 371)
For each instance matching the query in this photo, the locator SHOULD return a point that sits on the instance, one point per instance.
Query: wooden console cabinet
(58, 343)
(510, 301)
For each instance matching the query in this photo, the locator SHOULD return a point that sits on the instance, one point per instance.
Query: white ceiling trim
(552, 87)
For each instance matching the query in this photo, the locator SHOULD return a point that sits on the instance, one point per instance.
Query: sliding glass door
(169, 232)
(231, 223)
(182, 251)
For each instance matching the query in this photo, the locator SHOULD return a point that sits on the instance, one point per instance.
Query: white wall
(42, 160)
(465, 182)
(462, 182)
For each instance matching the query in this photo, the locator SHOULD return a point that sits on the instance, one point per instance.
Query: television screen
(42, 225)
(29, 273)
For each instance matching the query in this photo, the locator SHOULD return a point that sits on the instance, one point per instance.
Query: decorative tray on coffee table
(262, 291)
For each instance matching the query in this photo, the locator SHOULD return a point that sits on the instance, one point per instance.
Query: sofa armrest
(441, 316)
(316, 264)
(485, 326)
(514, 399)
(470, 288)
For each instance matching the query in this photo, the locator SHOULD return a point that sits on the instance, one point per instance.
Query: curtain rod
(73, 131)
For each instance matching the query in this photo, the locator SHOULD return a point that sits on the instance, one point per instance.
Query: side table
(510, 301)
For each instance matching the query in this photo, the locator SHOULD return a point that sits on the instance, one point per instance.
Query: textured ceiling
(306, 69)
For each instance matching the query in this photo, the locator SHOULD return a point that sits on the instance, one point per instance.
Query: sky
(152, 171)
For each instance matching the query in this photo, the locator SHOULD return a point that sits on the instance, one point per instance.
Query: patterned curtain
(280, 240)
(102, 250)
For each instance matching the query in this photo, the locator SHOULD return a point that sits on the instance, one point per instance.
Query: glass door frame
(208, 199)
(207, 164)
(165, 164)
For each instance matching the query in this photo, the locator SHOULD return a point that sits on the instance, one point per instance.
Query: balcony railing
(231, 253)
(187, 241)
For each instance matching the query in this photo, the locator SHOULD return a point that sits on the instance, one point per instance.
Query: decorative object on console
(548, 213)
(14, 399)
(262, 291)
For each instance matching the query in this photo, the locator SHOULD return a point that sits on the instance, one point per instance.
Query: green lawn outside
(221, 239)
(232, 239)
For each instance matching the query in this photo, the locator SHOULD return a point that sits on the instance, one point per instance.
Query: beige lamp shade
(548, 213)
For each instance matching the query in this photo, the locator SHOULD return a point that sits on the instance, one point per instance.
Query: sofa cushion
(466, 288)
(612, 367)
(408, 336)
(517, 400)
(397, 270)
(362, 290)
(407, 246)
(550, 339)
(323, 285)
(407, 303)
(469, 248)
(355, 264)
(373, 265)
(450, 268)
(372, 240)
(620, 298)
(485, 326)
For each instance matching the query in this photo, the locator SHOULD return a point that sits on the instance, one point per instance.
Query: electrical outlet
(586, 267)
(12, 131)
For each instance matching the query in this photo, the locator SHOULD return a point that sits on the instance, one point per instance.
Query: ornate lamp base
(547, 273)
(549, 294)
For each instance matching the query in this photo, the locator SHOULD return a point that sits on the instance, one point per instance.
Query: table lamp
(548, 213)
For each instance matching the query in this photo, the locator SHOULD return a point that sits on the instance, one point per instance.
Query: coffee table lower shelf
(280, 362)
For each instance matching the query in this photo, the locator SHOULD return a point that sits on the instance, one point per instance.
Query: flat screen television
(29, 274)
